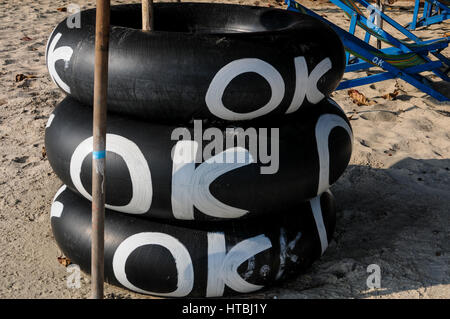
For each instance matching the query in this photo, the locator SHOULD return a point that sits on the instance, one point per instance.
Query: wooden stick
(380, 21)
(147, 15)
(99, 147)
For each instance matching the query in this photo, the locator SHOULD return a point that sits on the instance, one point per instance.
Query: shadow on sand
(397, 218)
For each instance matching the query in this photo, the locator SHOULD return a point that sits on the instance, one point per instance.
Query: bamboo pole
(380, 21)
(99, 147)
(147, 15)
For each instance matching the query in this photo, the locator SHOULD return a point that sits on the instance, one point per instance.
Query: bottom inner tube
(196, 260)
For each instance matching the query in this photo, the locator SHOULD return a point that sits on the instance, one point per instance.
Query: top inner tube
(208, 61)
(221, 19)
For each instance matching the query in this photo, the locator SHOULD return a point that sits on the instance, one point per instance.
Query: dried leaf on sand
(391, 96)
(358, 98)
(62, 9)
(64, 261)
(20, 77)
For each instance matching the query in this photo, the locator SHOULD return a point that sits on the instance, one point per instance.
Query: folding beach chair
(434, 11)
(395, 63)
(415, 44)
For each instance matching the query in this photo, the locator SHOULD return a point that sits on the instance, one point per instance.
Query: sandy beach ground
(393, 200)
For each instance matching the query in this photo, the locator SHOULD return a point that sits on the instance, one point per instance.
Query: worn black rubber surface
(211, 260)
(203, 61)
(307, 153)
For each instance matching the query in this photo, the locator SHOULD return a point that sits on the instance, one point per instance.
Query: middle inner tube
(293, 161)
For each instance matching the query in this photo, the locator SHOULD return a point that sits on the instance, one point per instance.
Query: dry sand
(393, 200)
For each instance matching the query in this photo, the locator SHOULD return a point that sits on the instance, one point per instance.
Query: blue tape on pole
(98, 154)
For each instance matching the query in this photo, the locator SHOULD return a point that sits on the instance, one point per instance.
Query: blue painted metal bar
(352, 29)
(412, 26)
(423, 67)
(359, 65)
(365, 80)
(426, 10)
(434, 12)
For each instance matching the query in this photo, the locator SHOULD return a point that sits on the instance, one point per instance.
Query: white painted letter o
(183, 262)
(228, 73)
(141, 179)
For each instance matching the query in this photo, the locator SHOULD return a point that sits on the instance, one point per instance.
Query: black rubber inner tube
(214, 260)
(305, 155)
(205, 18)
(216, 61)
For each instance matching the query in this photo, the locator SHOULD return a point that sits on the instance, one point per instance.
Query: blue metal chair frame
(434, 11)
(418, 46)
(369, 56)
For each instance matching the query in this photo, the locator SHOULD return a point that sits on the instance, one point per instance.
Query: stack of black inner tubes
(222, 143)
